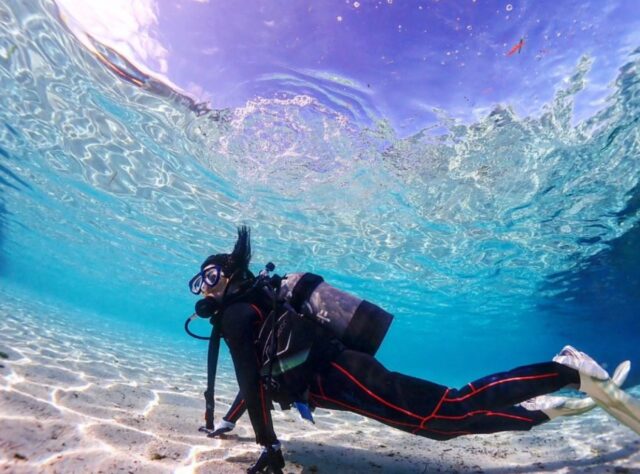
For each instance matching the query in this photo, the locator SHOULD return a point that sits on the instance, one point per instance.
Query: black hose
(186, 328)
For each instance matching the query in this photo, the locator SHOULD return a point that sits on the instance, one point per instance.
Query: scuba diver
(302, 343)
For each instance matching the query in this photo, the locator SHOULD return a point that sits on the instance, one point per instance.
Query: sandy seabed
(92, 400)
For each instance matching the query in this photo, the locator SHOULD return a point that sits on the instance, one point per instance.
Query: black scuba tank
(357, 323)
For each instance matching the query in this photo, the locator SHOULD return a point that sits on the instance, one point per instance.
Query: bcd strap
(303, 289)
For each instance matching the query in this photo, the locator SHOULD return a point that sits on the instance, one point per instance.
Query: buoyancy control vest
(284, 345)
(309, 309)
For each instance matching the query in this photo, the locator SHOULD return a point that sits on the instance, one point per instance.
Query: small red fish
(517, 48)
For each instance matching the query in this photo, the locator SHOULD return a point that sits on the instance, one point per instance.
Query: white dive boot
(554, 406)
(594, 381)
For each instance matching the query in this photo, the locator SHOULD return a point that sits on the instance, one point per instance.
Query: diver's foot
(554, 406)
(546, 403)
(585, 365)
(270, 461)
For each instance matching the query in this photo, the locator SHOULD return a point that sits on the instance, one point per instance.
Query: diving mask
(210, 276)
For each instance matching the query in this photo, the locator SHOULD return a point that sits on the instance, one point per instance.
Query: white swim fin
(615, 401)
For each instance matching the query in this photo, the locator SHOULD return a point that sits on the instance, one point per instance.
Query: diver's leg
(236, 410)
(488, 405)
(515, 418)
(506, 389)
(356, 382)
(359, 383)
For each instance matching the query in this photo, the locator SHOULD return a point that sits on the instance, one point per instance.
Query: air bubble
(509, 7)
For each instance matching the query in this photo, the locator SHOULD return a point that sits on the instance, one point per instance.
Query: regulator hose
(194, 335)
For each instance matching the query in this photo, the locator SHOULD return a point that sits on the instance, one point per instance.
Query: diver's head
(224, 272)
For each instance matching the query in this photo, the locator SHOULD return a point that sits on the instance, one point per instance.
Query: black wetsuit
(357, 382)
(240, 324)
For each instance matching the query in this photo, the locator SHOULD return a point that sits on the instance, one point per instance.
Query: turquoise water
(493, 241)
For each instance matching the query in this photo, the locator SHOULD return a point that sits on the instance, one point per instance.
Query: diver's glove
(207, 307)
(270, 460)
(221, 428)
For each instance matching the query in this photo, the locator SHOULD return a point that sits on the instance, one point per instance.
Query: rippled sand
(92, 399)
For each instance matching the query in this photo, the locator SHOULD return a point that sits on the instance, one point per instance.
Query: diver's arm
(238, 328)
(236, 410)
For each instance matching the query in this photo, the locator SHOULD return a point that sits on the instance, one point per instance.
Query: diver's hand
(206, 307)
(270, 461)
(221, 428)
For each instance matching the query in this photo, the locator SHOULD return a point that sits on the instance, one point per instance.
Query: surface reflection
(403, 61)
